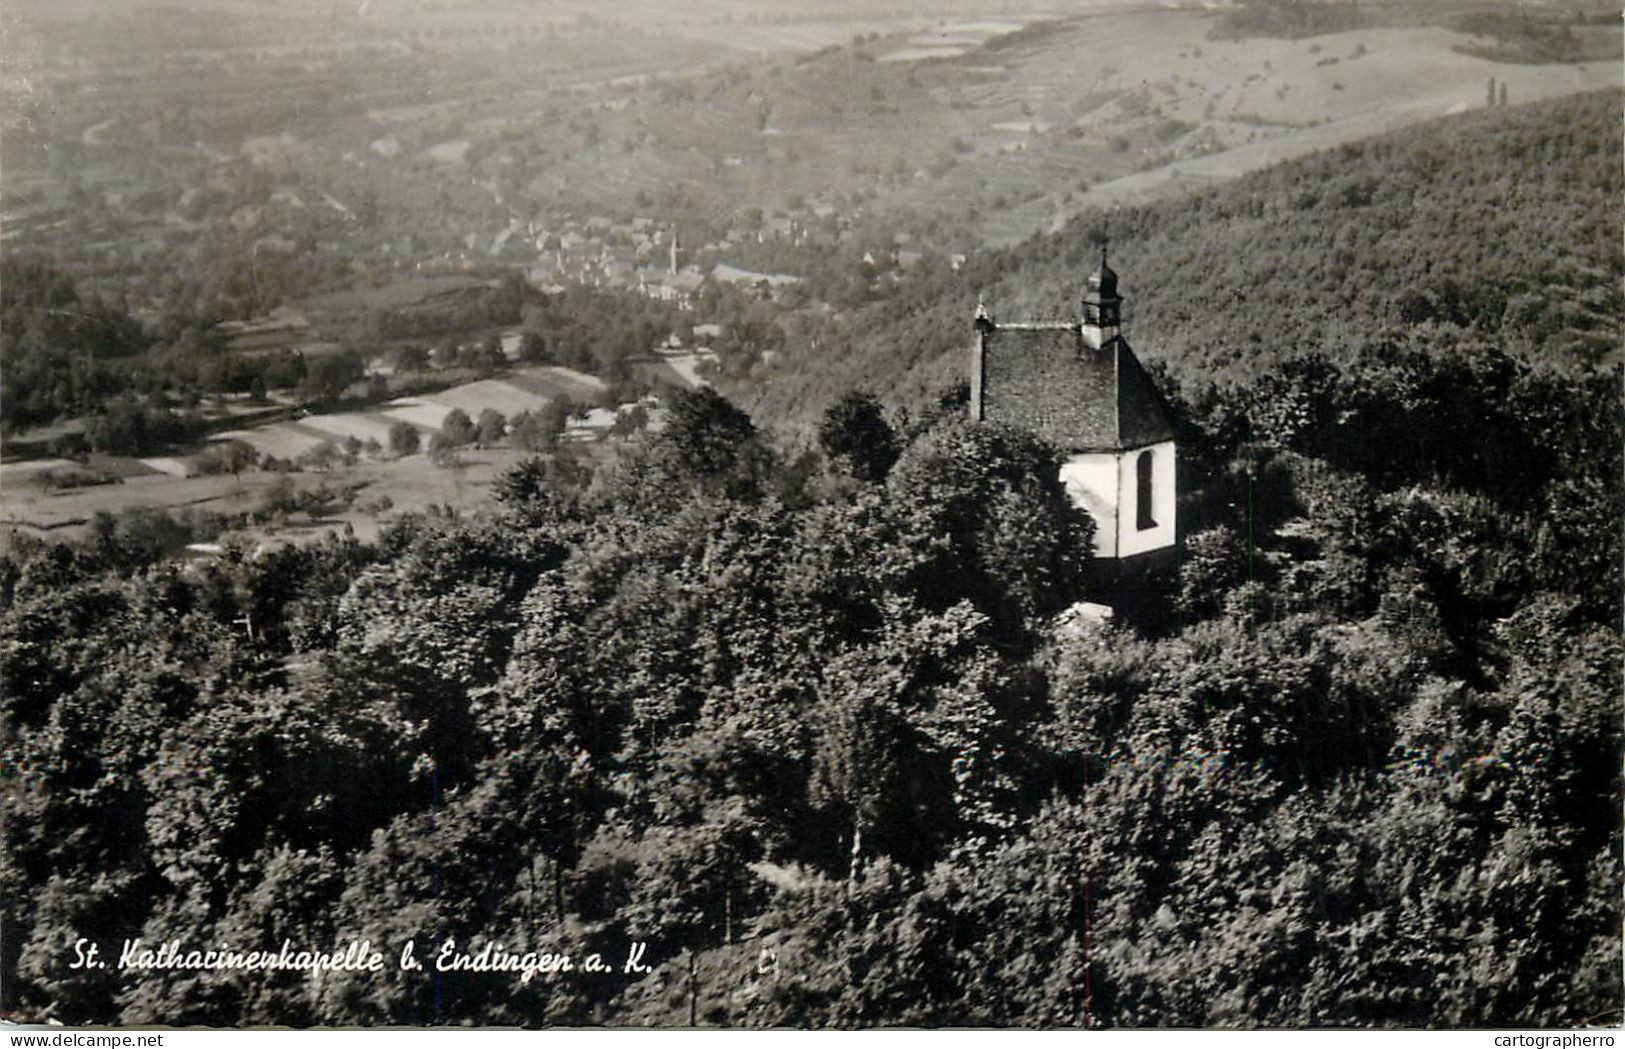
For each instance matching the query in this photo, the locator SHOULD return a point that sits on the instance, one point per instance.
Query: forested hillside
(1500, 222)
(811, 725)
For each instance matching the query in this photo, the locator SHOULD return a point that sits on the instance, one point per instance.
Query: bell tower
(1102, 306)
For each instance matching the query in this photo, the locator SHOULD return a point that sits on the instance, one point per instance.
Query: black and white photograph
(812, 514)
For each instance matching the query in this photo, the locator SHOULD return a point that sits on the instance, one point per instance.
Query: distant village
(639, 255)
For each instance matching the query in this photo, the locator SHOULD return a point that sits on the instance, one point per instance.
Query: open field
(475, 397)
(350, 424)
(282, 440)
(411, 482)
(525, 391)
(392, 294)
(25, 472)
(554, 381)
(425, 415)
(166, 464)
(404, 485)
(66, 513)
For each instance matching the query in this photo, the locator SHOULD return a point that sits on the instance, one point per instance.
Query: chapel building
(1078, 385)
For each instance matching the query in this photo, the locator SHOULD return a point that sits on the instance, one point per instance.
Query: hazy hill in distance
(989, 122)
(1500, 221)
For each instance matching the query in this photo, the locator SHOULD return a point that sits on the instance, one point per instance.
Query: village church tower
(1079, 386)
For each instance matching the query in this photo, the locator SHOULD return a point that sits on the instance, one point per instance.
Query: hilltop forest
(1498, 223)
(810, 720)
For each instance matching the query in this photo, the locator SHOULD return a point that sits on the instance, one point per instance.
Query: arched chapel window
(1142, 494)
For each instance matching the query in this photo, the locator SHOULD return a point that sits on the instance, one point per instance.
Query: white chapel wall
(1106, 485)
(1091, 480)
(1131, 539)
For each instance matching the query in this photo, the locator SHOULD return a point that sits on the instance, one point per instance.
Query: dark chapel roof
(1047, 379)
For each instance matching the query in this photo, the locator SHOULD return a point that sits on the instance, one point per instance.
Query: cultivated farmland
(400, 484)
